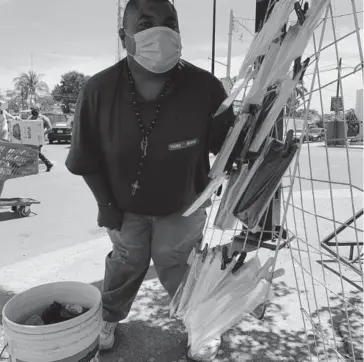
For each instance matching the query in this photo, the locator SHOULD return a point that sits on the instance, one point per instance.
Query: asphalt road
(65, 217)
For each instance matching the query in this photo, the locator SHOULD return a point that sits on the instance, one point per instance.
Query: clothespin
(304, 67)
(288, 143)
(239, 262)
(204, 252)
(300, 14)
(225, 257)
(305, 7)
(219, 190)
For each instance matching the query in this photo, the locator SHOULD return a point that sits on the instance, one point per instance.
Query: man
(141, 140)
(36, 116)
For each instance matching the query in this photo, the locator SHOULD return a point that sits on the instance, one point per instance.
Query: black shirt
(106, 137)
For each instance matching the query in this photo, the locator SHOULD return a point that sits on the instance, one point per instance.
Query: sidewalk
(149, 335)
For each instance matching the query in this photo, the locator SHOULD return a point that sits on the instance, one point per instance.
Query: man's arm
(85, 155)
(85, 159)
(48, 124)
(8, 115)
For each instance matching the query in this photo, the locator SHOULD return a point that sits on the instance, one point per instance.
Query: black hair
(133, 5)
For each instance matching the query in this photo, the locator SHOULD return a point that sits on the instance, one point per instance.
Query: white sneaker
(207, 353)
(107, 335)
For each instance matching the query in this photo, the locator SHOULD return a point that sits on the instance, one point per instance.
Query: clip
(288, 143)
(204, 252)
(225, 257)
(300, 14)
(304, 67)
(239, 262)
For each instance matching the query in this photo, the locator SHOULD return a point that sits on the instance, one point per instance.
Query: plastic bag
(270, 31)
(225, 218)
(264, 182)
(228, 146)
(212, 187)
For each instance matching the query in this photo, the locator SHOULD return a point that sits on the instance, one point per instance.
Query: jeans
(44, 158)
(167, 240)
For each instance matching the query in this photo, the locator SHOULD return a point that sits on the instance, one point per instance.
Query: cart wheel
(14, 209)
(25, 211)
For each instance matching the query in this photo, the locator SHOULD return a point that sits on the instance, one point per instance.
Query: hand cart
(17, 160)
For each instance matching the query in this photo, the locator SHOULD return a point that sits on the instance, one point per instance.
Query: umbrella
(224, 301)
(264, 180)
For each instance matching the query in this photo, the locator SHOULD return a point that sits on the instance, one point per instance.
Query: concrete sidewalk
(149, 335)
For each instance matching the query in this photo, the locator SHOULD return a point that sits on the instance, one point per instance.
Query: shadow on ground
(149, 335)
(345, 317)
(8, 215)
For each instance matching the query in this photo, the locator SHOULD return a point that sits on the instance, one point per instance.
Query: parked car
(316, 134)
(298, 133)
(61, 127)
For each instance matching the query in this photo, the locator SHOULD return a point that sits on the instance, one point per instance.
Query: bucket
(75, 340)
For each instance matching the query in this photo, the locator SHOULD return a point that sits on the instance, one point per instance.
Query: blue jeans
(166, 240)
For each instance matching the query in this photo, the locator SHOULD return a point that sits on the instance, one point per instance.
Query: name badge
(183, 144)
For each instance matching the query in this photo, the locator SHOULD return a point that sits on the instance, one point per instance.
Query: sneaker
(49, 167)
(207, 353)
(107, 335)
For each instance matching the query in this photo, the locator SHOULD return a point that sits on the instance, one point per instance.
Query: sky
(54, 37)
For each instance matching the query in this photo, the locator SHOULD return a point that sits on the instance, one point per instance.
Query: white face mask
(157, 49)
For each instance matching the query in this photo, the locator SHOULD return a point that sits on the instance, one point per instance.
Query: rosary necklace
(145, 131)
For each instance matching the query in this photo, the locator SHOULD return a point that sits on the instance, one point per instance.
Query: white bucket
(76, 340)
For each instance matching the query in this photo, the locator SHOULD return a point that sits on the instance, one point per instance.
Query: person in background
(142, 134)
(36, 116)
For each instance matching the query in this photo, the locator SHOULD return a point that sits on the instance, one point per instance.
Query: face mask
(157, 49)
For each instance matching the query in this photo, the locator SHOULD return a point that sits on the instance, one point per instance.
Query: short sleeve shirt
(107, 138)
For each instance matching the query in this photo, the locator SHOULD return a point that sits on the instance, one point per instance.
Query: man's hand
(110, 217)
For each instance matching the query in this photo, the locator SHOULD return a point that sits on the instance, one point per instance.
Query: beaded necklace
(145, 131)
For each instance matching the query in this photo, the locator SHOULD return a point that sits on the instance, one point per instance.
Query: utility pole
(121, 6)
(338, 79)
(213, 37)
(231, 28)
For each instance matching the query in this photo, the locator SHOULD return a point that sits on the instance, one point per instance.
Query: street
(61, 241)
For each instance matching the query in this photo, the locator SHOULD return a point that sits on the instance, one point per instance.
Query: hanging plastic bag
(225, 218)
(286, 88)
(248, 76)
(270, 31)
(264, 182)
(212, 187)
(259, 87)
(228, 146)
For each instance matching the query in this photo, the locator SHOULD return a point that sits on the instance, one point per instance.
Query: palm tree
(29, 86)
(296, 98)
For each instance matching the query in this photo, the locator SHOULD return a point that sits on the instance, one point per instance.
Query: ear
(122, 37)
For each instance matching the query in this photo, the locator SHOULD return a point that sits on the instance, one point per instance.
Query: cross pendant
(135, 186)
(144, 145)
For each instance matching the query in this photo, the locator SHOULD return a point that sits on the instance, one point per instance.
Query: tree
(68, 89)
(46, 103)
(296, 98)
(352, 121)
(30, 87)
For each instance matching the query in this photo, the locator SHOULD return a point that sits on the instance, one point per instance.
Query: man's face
(150, 14)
